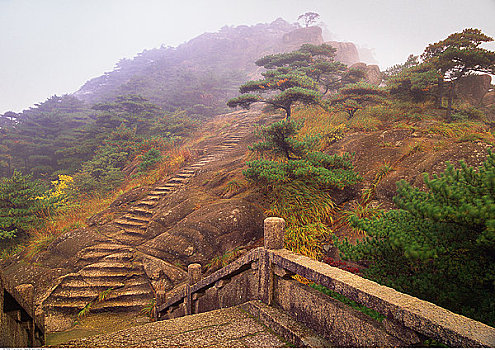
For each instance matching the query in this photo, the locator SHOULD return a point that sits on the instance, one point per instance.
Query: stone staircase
(111, 275)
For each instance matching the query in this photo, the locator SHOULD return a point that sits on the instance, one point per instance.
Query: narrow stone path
(110, 274)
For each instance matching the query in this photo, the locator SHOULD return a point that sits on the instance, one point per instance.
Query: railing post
(274, 230)
(193, 277)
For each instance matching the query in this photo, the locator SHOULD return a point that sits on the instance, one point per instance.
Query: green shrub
(298, 181)
(440, 244)
(149, 159)
(19, 205)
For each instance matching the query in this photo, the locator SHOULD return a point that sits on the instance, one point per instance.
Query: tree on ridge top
(297, 76)
(308, 18)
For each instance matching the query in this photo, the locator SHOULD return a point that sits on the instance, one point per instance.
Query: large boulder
(372, 72)
(296, 38)
(489, 99)
(473, 88)
(207, 232)
(346, 52)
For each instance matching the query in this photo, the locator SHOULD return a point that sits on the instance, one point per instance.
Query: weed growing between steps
(148, 309)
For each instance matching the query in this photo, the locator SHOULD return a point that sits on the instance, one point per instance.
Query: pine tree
(303, 76)
(353, 97)
(440, 244)
(457, 56)
(19, 206)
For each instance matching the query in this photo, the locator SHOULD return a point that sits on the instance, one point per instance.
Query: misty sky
(53, 46)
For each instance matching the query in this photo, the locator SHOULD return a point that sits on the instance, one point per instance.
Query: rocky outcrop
(372, 72)
(346, 52)
(489, 99)
(473, 88)
(296, 38)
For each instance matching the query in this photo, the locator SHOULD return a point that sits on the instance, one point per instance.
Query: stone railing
(19, 326)
(266, 274)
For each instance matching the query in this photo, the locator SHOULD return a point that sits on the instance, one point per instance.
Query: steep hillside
(142, 244)
(201, 74)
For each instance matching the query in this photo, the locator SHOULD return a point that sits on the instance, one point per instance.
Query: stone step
(101, 250)
(120, 305)
(131, 233)
(137, 218)
(129, 294)
(184, 175)
(159, 192)
(115, 273)
(87, 294)
(92, 257)
(167, 187)
(130, 223)
(223, 328)
(67, 306)
(153, 197)
(146, 203)
(110, 247)
(141, 211)
(176, 180)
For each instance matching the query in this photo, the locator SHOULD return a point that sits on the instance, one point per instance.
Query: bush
(440, 244)
(19, 206)
(149, 159)
(298, 181)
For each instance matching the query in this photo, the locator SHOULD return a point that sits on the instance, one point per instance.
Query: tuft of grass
(308, 212)
(355, 305)
(12, 250)
(37, 242)
(223, 260)
(307, 239)
(369, 193)
(233, 187)
(461, 130)
(85, 310)
(149, 308)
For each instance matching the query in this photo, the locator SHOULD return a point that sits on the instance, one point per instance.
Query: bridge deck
(231, 327)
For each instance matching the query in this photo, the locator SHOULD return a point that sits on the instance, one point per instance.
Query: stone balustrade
(19, 326)
(266, 274)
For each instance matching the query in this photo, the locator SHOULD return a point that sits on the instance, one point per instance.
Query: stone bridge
(261, 284)
(19, 326)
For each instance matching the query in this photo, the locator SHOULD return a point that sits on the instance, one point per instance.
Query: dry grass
(172, 161)
(81, 209)
(463, 131)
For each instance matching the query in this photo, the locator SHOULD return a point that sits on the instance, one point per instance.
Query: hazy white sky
(53, 46)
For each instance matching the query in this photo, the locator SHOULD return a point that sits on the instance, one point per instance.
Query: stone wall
(266, 274)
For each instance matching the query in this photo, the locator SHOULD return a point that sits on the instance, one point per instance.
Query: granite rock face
(372, 72)
(346, 52)
(473, 88)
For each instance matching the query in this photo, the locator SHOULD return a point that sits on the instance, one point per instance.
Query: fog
(53, 46)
